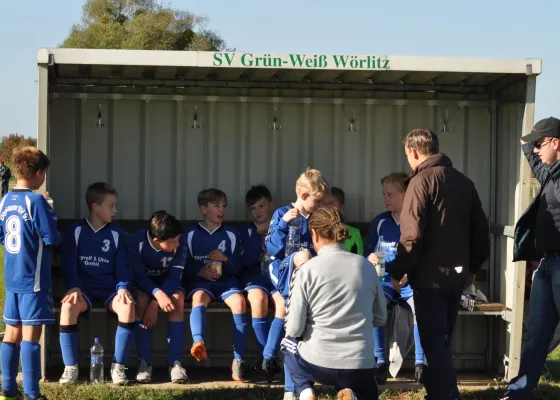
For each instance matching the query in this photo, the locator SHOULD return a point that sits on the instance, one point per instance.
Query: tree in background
(141, 25)
(11, 142)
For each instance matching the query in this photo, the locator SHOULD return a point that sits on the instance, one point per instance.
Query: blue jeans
(543, 317)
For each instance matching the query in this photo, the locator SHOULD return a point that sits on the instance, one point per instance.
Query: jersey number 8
(13, 237)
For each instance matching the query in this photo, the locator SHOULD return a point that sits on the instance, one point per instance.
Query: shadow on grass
(107, 392)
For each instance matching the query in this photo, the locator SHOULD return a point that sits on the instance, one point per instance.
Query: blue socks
(10, 364)
(31, 368)
(418, 350)
(143, 343)
(198, 323)
(176, 341)
(69, 344)
(260, 326)
(379, 344)
(123, 341)
(239, 335)
(275, 335)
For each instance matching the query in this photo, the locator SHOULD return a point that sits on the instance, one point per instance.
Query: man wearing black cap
(537, 237)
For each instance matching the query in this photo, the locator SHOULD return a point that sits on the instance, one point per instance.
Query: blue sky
(491, 28)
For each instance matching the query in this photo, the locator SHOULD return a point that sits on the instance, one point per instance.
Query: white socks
(307, 394)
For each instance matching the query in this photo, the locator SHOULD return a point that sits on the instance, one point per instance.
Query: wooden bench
(218, 327)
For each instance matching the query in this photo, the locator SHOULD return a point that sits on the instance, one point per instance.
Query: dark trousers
(5, 185)
(543, 319)
(436, 313)
(360, 381)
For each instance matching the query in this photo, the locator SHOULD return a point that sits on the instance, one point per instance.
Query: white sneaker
(118, 374)
(290, 396)
(70, 374)
(144, 374)
(178, 374)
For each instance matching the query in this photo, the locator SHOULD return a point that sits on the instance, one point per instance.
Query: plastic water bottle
(293, 242)
(96, 366)
(380, 266)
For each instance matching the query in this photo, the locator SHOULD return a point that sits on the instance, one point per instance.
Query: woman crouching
(334, 301)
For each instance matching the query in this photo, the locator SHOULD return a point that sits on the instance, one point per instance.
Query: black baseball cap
(548, 127)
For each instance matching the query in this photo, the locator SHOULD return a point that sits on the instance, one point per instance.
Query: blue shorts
(97, 297)
(136, 288)
(216, 290)
(281, 274)
(29, 308)
(258, 282)
(391, 294)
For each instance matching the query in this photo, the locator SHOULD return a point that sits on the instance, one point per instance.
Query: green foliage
(141, 25)
(11, 142)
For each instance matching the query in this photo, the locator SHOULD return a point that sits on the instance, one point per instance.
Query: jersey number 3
(13, 236)
(106, 245)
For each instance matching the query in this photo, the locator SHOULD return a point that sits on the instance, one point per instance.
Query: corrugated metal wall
(156, 159)
(150, 152)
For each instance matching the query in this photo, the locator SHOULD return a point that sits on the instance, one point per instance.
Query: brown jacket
(444, 231)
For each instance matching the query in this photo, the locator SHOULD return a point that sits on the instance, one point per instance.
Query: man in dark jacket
(444, 241)
(5, 175)
(537, 237)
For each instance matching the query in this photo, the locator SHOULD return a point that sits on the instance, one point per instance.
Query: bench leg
(43, 343)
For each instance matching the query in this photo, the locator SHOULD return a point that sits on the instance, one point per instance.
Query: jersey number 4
(13, 234)
(222, 246)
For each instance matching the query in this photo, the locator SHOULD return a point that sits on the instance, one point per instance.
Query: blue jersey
(253, 250)
(27, 231)
(95, 260)
(278, 233)
(201, 242)
(156, 269)
(385, 225)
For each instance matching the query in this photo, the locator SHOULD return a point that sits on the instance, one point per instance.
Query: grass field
(549, 387)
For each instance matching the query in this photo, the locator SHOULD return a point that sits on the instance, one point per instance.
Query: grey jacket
(335, 300)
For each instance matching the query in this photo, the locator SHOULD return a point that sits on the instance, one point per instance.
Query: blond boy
(311, 189)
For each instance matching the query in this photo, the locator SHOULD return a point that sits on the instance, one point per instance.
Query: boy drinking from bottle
(289, 240)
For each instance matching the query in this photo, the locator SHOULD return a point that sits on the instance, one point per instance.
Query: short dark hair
(96, 193)
(423, 140)
(211, 195)
(164, 226)
(256, 193)
(29, 160)
(338, 194)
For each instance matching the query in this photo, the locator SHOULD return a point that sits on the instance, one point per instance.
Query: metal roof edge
(305, 61)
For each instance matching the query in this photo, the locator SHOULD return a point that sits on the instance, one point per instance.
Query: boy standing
(95, 268)
(311, 189)
(27, 231)
(355, 243)
(213, 263)
(256, 280)
(158, 256)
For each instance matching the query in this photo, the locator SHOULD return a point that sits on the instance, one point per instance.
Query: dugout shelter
(162, 125)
